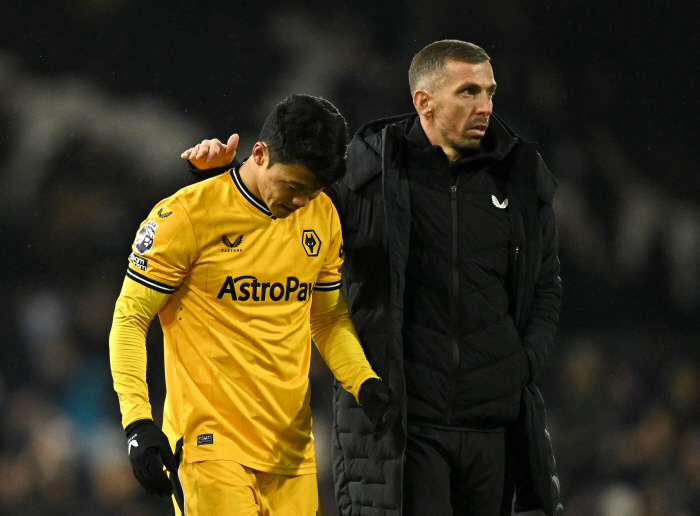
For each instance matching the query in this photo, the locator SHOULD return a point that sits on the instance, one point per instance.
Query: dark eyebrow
(475, 85)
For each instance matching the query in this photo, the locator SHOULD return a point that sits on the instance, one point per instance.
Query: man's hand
(212, 153)
(147, 444)
(381, 405)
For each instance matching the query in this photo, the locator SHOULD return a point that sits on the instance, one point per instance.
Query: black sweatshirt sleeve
(201, 175)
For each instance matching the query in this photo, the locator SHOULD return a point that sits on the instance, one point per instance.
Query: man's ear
(422, 102)
(260, 154)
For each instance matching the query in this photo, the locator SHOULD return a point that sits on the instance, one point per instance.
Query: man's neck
(436, 138)
(248, 173)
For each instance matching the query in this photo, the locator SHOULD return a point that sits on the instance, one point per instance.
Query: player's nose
(301, 200)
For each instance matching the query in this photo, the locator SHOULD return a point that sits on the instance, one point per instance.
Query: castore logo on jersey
(231, 247)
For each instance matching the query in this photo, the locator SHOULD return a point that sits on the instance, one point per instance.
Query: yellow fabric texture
(226, 487)
(243, 293)
(136, 307)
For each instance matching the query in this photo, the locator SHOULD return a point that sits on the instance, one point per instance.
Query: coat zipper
(454, 305)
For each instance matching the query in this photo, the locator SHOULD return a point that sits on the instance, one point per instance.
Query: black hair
(309, 131)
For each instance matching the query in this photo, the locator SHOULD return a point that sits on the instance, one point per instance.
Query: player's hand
(381, 405)
(212, 153)
(148, 446)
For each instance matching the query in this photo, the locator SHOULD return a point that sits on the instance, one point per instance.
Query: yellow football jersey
(237, 323)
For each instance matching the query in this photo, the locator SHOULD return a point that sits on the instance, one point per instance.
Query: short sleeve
(330, 275)
(164, 248)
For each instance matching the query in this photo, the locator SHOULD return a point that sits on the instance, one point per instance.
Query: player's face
(285, 188)
(463, 105)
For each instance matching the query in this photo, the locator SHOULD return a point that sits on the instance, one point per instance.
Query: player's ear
(422, 103)
(259, 154)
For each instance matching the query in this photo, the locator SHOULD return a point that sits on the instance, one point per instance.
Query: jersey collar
(257, 203)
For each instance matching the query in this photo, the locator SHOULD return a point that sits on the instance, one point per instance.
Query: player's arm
(134, 311)
(211, 157)
(336, 339)
(331, 326)
(147, 444)
(162, 254)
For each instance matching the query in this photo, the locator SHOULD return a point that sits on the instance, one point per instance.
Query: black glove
(147, 444)
(381, 405)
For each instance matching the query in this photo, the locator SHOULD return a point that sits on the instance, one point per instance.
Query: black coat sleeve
(201, 175)
(338, 194)
(543, 318)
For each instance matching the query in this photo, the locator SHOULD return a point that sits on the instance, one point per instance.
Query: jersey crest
(311, 242)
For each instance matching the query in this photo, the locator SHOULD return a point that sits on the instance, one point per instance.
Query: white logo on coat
(503, 205)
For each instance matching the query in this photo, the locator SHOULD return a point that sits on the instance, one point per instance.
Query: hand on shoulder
(212, 153)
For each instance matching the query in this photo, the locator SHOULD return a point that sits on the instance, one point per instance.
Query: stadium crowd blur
(98, 98)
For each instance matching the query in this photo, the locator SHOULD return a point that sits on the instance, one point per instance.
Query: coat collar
(367, 148)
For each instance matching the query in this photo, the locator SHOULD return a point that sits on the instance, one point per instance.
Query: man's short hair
(428, 64)
(309, 131)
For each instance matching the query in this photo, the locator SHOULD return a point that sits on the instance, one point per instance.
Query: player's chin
(282, 212)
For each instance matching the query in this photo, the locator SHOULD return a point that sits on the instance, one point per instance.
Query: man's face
(463, 104)
(285, 188)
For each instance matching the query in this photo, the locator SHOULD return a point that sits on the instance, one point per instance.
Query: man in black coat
(452, 277)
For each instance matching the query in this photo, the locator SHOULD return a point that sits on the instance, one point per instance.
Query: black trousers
(453, 473)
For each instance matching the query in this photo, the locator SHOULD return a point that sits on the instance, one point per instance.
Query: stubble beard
(461, 143)
(452, 137)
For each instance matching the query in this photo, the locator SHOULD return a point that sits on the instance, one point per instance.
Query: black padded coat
(374, 206)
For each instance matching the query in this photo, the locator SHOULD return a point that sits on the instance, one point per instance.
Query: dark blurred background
(99, 97)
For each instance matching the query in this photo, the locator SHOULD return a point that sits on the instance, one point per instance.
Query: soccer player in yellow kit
(243, 270)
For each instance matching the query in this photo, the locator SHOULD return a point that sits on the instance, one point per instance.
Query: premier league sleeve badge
(144, 238)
